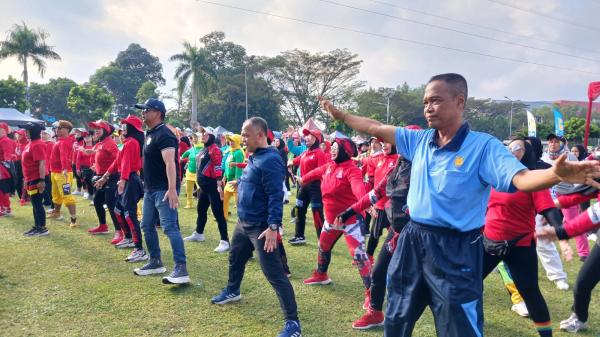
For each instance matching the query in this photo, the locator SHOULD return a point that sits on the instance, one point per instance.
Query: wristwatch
(274, 227)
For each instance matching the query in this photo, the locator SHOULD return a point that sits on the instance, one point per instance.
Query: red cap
(316, 133)
(347, 145)
(21, 132)
(100, 124)
(4, 126)
(270, 135)
(134, 121)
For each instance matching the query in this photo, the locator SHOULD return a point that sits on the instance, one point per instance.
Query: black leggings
(86, 176)
(39, 214)
(309, 194)
(77, 178)
(379, 224)
(106, 195)
(47, 195)
(588, 278)
(523, 265)
(379, 273)
(208, 195)
(126, 209)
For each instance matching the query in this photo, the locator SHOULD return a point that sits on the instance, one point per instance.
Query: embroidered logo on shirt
(148, 140)
(459, 161)
(339, 175)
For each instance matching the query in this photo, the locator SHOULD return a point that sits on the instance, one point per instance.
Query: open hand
(577, 172)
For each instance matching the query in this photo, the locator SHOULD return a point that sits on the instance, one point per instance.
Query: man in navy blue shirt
(438, 259)
(260, 208)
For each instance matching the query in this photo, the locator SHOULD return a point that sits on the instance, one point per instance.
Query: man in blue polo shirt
(438, 259)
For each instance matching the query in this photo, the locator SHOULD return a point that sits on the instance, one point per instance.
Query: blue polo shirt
(450, 186)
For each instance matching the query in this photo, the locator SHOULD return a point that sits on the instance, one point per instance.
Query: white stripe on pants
(549, 256)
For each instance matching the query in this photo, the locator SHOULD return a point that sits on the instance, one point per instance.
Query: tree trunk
(26, 80)
(194, 117)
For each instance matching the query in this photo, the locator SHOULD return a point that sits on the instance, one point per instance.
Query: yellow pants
(189, 189)
(58, 196)
(228, 192)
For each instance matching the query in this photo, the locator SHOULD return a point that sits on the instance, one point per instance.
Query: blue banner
(559, 123)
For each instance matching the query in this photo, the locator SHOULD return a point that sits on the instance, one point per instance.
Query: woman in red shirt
(33, 160)
(105, 152)
(509, 237)
(341, 185)
(129, 188)
(83, 164)
(309, 160)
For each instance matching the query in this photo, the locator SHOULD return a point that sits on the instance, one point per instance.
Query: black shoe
(297, 240)
(40, 231)
(31, 231)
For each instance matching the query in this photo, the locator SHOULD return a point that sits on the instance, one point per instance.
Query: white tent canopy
(13, 117)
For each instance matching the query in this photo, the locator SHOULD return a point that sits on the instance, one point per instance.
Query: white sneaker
(573, 324)
(76, 193)
(521, 309)
(195, 237)
(592, 237)
(222, 247)
(561, 284)
(86, 195)
(125, 243)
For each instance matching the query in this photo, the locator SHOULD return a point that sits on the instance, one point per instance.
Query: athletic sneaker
(41, 232)
(117, 238)
(154, 266)
(137, 255)
(222, 247)
(31, 231)
(521, 309)
(227, 296)
(291, 329)
(561, 284)
(367, 301)
(317, 278)
(371, 318)
(179, 275)
(125, 243)
(77, 193)
(592, 237)
(297, 240)
(195, 237)
(101, 229)
(54, 216)
(573, 324)
(86, 195)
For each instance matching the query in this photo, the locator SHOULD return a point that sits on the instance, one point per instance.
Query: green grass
(73, 284)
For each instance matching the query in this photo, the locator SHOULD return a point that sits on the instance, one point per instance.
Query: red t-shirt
(106, 153)
(383, 165)
(62, 154)
(83, 160)
(310, 160)
(32, 154)
(128, 160)
(48, 147)
(341, 186)
(511, 215)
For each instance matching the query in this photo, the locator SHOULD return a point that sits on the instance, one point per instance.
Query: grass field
(73, 284)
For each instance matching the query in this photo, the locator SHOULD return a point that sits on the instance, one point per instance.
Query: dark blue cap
(32, 126)
(152, 103)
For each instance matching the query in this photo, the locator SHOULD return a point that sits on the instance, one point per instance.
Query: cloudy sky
(89, 33)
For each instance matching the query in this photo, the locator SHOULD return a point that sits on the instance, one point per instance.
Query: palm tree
(195, 65)
(25, 43)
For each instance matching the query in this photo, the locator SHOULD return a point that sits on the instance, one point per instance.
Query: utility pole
(511, 115)
(246, 87)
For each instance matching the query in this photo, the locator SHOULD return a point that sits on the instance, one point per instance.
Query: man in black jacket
(260, 208)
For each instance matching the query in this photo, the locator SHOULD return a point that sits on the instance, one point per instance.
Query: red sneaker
(318, 278)
(101, 229)
(117, 238)
(371, 319)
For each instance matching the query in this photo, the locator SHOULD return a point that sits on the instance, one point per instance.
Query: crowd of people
(456, 204)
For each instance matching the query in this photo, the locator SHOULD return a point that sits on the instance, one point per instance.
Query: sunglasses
(148, 110)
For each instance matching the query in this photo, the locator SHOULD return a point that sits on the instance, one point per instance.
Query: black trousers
(379, 224)
(106, 195)
(39, 214)
(208, 196)
(588, 278)
(126, 208)
(86, 177)
(379, 273)
(523, 265)
(47, 195)
(309, 194)
(77, 178)
(243, 242)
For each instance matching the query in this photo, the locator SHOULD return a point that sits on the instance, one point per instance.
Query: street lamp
(511, 114)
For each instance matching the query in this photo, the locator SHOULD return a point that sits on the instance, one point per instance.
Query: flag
(559, 123)
(593, 93)
(531, 125)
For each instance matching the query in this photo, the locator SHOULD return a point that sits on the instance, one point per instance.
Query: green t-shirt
(234, 173)
(192, 153)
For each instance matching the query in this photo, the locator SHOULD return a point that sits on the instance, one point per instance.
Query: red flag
(593, 93)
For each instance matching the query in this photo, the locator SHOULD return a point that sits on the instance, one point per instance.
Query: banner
(593, 93)
(559, 123)
(531, 130)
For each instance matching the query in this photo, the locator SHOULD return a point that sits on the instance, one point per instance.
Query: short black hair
(457, 81)
(259, 123)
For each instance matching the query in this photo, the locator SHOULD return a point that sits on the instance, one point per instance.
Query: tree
(194, 66)
(89, 102)
(406, 104)
(575, 130)
(50, 100)
(224, 55)
(24, 44)
(12, 94)
(125, 75)
(301, 77)
(147, 90)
